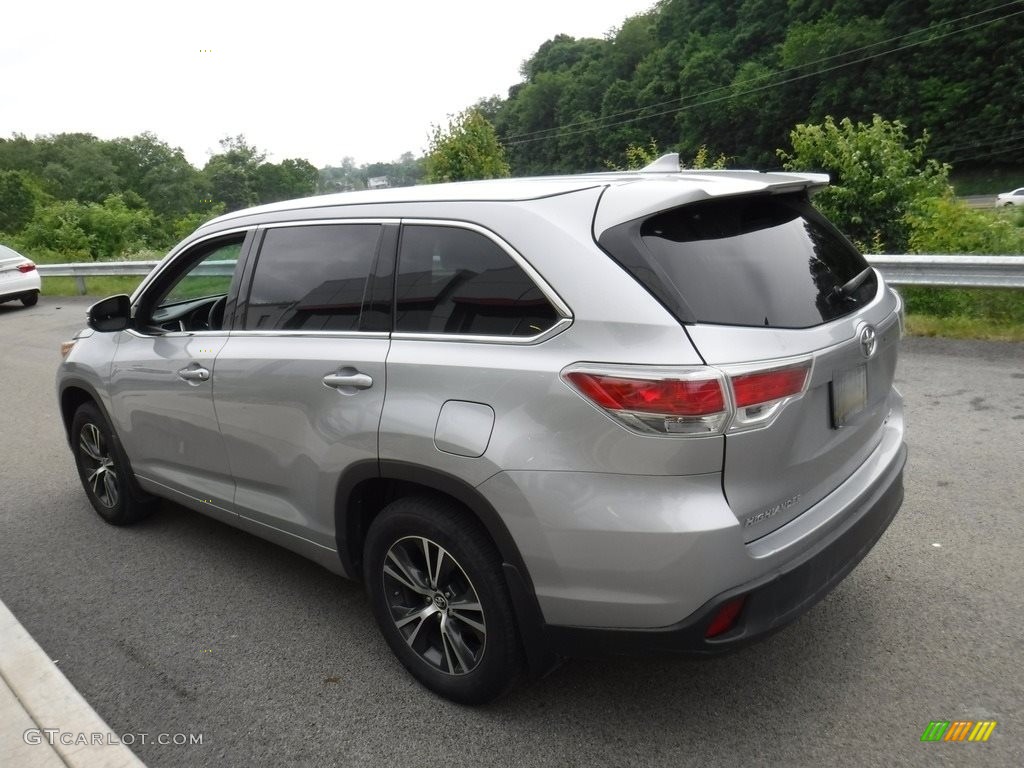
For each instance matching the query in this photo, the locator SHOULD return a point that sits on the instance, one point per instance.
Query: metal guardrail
(952, 271)
(122, 269)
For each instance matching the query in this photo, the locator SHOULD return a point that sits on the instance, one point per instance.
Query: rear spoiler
(674, 187)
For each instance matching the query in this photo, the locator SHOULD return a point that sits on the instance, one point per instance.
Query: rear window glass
(754, 261)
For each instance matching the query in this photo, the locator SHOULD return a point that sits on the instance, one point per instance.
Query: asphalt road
(184, 625)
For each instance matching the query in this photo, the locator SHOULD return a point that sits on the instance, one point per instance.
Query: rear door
(764, 284)
(775, 472)
(300, 383)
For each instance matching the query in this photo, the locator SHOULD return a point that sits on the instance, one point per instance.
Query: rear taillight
(30, 267)
(677, 402)
(689, 401)
(676, 397)
(759, 394)
(764, 386)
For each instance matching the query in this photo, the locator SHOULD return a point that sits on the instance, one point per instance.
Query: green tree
(159, 173)
(467, 149)
(231, 174)
(879, 177)
(78, 166)
(19, 153)
(744, 71)
(286, 180)
(17, 201)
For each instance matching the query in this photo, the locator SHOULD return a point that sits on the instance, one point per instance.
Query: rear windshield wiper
(846, 289)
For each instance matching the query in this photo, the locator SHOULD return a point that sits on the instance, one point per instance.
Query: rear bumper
(773, 599)
(14, 286)
(6, 295)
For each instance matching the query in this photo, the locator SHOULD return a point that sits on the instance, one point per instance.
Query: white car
(1010, 198)
(19, 278)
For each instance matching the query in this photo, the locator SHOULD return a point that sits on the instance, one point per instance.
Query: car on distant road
(1016, 197)
(19, 278)
(537, 418)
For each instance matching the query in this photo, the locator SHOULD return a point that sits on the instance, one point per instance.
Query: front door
(163, 374)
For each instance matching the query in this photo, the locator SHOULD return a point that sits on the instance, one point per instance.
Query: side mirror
(111, 314)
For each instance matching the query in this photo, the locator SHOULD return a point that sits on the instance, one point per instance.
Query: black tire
(29, 299)
(447, 652)
(104, 470)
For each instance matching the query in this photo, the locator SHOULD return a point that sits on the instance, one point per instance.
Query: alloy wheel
(100, 472)
(434, 605)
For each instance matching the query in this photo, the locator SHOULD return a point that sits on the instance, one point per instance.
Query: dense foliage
(467, 149)
(888, 196)
(878, 177)
(72, 196)
(738, 75)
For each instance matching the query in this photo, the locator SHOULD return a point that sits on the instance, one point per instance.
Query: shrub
(879, 176)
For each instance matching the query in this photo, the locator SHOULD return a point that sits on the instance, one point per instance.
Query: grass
(997, 306)
(94, 286)
(964, 328)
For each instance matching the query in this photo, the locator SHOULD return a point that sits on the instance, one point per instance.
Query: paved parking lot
(184, 625)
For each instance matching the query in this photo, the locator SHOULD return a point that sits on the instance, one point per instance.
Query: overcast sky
(317, 80)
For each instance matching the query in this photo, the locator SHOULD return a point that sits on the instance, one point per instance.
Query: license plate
(849, 394)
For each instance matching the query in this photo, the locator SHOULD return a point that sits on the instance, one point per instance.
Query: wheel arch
(73, 394)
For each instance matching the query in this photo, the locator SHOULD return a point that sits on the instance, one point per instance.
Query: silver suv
(537, 417)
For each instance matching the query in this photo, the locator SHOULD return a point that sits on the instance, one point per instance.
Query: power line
(988, 143)
(977, 132)
(766, 75)
(1015, 148)
(599, 122)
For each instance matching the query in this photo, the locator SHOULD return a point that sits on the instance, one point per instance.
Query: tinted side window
(312, 278)
(210, 276)
(454, 280)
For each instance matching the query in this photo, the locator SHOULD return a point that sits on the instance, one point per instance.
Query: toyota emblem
(868, 341)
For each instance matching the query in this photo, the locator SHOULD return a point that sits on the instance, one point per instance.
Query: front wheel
(437, 591)
(103, 469)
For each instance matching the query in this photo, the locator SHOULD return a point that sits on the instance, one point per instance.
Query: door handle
(355, 380)
(194, 374)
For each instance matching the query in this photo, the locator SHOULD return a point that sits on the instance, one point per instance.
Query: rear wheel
(29, 299)
(103, 469)
(437, 591)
